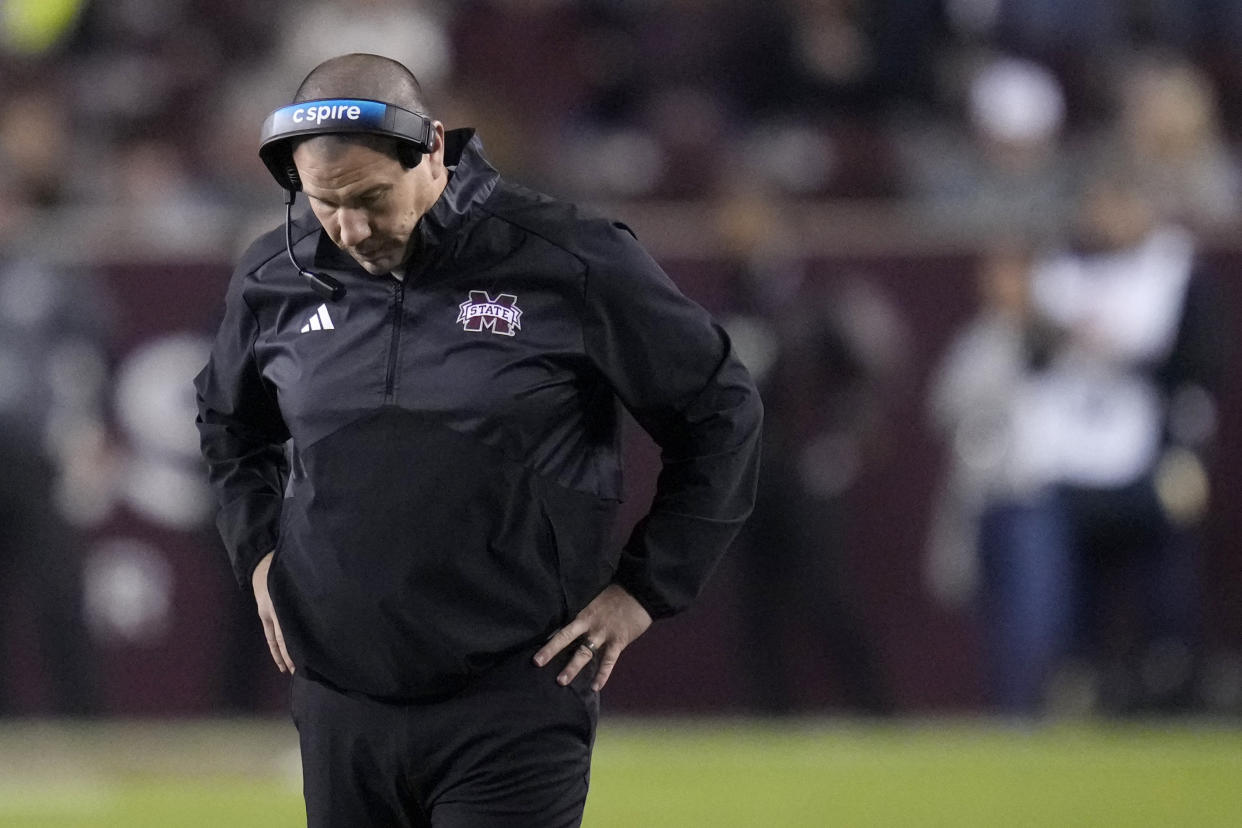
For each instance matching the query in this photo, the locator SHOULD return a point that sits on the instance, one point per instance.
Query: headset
(414, 133)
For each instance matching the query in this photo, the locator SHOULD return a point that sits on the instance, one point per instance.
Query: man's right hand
(267, 614)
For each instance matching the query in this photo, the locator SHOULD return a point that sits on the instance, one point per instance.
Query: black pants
(511, 749)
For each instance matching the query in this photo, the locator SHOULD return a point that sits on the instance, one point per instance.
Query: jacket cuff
(632, 575)
(245, 565)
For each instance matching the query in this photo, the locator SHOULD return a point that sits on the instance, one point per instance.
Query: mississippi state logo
(500, 315)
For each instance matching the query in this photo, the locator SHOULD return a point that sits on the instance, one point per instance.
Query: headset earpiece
(294, 180)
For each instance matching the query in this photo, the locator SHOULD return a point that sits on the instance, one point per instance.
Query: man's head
(361, 186)
(1118, 204)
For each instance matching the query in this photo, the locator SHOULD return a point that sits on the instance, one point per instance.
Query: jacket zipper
(391, 378)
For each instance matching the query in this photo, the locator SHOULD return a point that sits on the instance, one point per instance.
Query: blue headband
(335, 116)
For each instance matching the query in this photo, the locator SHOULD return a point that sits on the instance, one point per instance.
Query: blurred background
(981, 255)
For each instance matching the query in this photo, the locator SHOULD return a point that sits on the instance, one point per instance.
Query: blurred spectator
(1173, 133)
(225, 148)
(971, 397)
(795, 88)
(858, 57)
(1012, 168)
(640, 96)
(53, 325)
(159, 205)
(413, 33)
(35, 140)
(1094, 29)
(826, 359)
(1091, 443)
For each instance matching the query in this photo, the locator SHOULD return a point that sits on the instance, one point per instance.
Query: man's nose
(355, 228)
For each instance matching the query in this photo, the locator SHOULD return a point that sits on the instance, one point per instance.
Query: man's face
(1114, 216)
(366, 201)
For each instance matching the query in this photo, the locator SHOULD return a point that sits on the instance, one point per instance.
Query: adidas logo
(319, 321)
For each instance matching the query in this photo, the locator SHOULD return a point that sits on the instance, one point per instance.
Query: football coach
(411, 419)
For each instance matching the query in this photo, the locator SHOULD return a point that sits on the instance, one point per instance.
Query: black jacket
(454, 471)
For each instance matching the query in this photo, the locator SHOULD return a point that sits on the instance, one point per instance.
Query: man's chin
(376, 267)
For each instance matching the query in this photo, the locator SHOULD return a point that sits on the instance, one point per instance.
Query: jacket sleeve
(673, 367)
(242, 437)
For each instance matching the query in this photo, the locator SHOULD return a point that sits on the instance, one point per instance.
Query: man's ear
(437, 141)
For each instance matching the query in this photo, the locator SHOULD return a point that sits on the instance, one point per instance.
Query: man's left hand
(608, 624)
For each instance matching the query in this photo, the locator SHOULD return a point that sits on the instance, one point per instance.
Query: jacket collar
(471, 180)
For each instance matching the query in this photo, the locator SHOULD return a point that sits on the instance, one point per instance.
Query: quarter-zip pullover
(439, 472)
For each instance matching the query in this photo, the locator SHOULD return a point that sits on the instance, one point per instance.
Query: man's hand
(609, 623)
(267, 614)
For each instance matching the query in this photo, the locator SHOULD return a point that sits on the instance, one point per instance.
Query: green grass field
(673, 773)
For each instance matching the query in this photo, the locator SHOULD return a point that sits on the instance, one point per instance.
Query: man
(439, 530)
